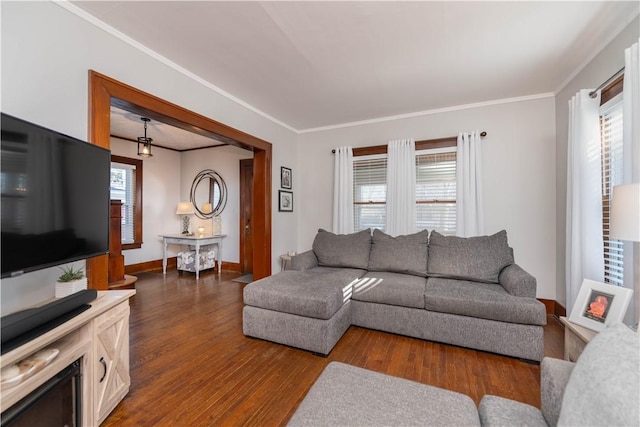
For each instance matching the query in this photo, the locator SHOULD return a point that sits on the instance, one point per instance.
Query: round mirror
(208, 194)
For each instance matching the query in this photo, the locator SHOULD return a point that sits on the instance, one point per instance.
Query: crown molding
(164, 60)
(430, 112)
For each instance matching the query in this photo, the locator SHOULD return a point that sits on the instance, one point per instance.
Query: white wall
(46, 54)
(603, 66)
(160, 195)
(519, 174)
(226, 162)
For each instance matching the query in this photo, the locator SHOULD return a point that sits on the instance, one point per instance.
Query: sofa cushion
(318, 292)
(482, 300)
(479, 258)
(604, 386)
(343, 250)
(391, 288)
(497, 411)
(346, 395)
(402, 254)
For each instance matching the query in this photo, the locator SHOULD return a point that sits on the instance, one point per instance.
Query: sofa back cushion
(604, 386)
(478, 258)
(402, 254)
(343, 250)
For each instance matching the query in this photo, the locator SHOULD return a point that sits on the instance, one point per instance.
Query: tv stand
(100, 337)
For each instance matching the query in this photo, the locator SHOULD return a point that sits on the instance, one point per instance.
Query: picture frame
(600, 304)
(285, 199)
(286, 178)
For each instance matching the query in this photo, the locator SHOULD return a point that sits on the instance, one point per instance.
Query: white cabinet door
(111, 359)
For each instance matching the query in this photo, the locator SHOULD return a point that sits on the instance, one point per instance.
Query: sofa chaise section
(304, 309)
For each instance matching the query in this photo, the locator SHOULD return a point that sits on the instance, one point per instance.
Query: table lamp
(624, 223)
(207, 208)
(185, 209)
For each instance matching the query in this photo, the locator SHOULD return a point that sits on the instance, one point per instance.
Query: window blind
(611, 158)
(123, 187)
(436, 192)
(369, 192)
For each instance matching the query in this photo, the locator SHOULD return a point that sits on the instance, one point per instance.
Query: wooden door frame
(105, 92)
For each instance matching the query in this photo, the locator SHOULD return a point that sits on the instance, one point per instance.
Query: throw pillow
(402, 254)
(343, 250)
(604, 386)
(479, 258)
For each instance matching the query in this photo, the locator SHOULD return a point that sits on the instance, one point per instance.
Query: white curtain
(401, 187)
(584, 244)
(343, 191)
(469, 198)
(631, 166)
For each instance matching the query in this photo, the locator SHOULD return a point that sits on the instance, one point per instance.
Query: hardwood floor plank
(191, 365)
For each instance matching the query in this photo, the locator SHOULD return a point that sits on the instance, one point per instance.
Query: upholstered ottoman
(305, 309)
(346, 395)
(187, 260)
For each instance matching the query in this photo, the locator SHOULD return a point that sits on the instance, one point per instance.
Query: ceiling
(127, 125)
(309, 65)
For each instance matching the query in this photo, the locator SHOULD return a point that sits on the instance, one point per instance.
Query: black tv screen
(54, 198)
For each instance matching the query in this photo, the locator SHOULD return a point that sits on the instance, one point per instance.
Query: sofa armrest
(518, 282)
(303, 261)
(554, 377)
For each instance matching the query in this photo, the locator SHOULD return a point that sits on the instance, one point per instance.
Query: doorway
(246, 211)
(105, 92)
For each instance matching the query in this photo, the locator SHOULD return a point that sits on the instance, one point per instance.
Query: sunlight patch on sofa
(364, 284)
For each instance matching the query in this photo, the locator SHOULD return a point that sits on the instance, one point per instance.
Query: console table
(197, 241)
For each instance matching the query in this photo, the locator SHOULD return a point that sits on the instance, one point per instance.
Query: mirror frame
(212, 176)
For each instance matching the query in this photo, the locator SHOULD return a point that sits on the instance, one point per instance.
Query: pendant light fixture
(144, 143)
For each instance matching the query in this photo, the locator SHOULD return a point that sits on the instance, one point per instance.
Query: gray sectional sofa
(462, 291)
(602, 388)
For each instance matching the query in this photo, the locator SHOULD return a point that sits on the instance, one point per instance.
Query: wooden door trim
(105, 91)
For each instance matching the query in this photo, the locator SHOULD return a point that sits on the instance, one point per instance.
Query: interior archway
(105, 91)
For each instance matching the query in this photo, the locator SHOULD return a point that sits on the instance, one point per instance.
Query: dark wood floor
(192, 366)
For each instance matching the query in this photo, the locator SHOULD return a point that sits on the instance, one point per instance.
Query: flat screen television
(54, 198)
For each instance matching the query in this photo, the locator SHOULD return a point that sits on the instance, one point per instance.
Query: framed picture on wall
(599, 304)
(285, 178)
(285, 201)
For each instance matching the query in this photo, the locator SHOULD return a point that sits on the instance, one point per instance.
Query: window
(612, 163)
(126, 186)
(435, 190)
(369, 192)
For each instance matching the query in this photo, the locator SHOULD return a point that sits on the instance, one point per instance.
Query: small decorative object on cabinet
(599, 304)
(70, 281)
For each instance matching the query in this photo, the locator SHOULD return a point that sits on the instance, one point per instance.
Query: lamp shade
(207, 208)
(624, 223)
(184, 208)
